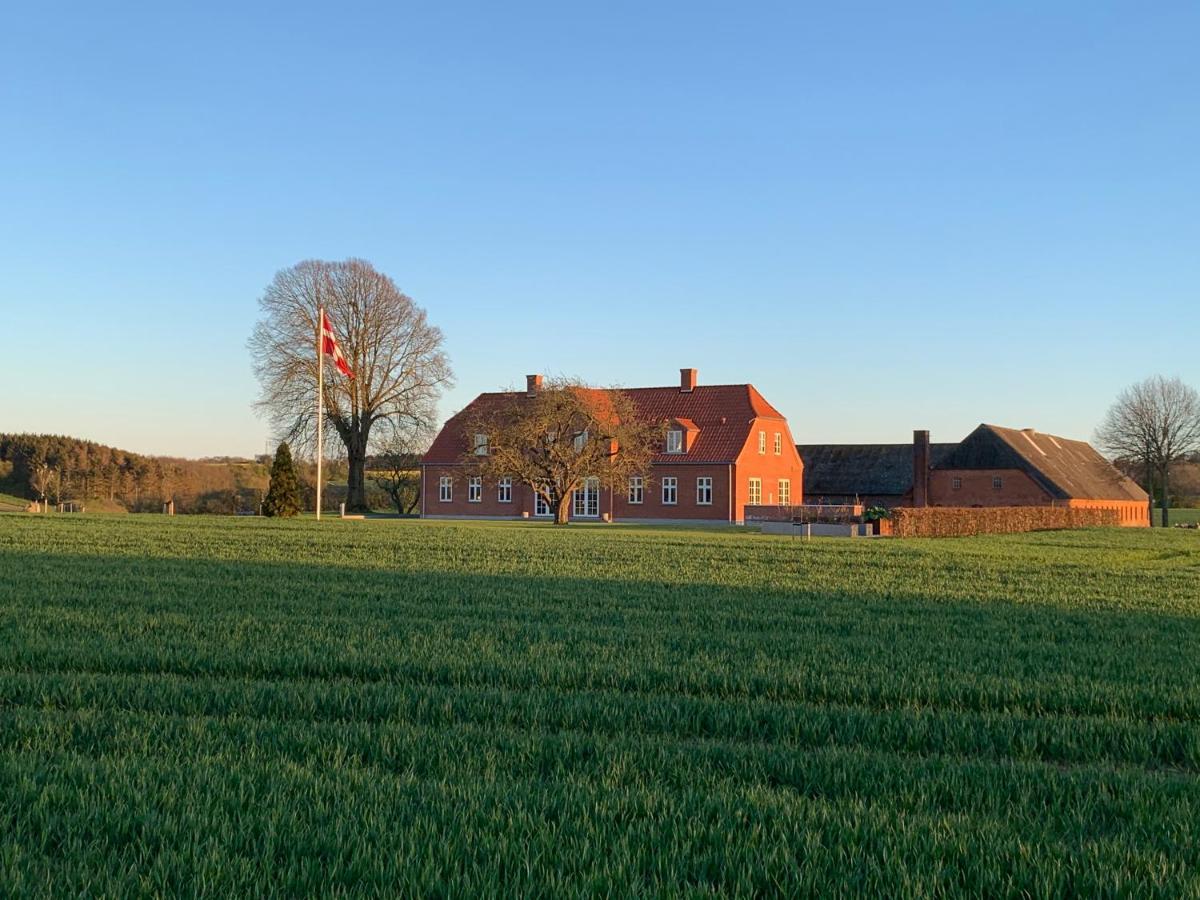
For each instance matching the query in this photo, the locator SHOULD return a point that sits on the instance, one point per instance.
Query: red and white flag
(329, 346)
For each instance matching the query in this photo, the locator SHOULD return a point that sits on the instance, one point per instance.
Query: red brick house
(725, 447)
(992, 466)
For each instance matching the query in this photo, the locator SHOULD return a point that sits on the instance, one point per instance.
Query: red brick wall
(1132, 513)
(459, 506)
(1018, 489)
(651, 507)
(767, 466)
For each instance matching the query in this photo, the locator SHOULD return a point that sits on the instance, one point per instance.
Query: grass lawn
(245, 706)
(1180, 515)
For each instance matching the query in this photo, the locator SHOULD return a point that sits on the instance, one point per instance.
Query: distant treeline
(63, 469)
(1185, 479)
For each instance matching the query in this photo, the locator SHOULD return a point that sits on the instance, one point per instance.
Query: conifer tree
(283, 496)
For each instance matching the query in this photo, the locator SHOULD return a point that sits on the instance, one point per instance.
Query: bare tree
(397, 358)
(41, 476)
(557, 436)
(396, 468)
(1156, 421)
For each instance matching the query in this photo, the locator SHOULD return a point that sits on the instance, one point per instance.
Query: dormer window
(481, 445)
(581, 441)
(675, 440)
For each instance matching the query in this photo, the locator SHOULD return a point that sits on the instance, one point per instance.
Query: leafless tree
(396, 466)
(554, 438)
(1156, 421)
(41, 476)
(397, 358)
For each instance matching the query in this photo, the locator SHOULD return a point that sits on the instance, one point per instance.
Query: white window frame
(504, 490)
(637, 490)
(446, 489)
(704, 490)
(755, 492)
(481, 445)
(541, 509)
(779, 443)
(675, 440)
(475, 489)
(580, 441)
(785, 492)
(956, 484)
(585, 502)
(762, 443)
(670, 488)
(997, 482)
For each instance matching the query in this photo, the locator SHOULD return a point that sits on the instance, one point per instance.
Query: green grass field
(225, 707)
(1181, 515)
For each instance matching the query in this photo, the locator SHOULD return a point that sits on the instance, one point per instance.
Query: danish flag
(329, 346)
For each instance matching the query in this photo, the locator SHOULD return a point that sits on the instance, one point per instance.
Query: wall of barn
(1017, 488)
(1132, 513)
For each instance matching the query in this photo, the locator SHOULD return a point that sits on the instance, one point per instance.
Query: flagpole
(320, 398)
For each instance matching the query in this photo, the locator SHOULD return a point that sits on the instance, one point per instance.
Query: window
(636, 489)
(762, 442)
(785, 491)
(778, 444)
(474, 489)
(675, 441)
(755, 491)
(670, 494)
(956, 484)
(581, 441)
(586, 500)
(445, 489)
(704, 491)
(504, 490)
(540, 506)
(997, 483)
(481, 445)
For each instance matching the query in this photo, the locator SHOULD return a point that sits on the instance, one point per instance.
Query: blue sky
(886, 216)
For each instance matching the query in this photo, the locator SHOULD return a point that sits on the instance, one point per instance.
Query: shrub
(283, 496)
(945, 521)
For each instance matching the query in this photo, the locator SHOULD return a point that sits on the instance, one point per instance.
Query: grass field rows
(215, 706)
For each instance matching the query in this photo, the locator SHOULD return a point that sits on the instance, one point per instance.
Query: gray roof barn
(1066, 469)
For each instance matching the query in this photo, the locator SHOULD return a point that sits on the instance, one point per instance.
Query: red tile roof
(723, 414)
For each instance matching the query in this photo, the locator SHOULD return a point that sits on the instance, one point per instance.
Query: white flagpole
(320, 398)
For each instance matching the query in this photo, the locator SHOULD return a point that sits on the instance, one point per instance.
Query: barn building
(992, 466)
(725, 448)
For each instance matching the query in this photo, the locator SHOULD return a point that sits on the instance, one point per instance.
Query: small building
(726, 447)
(992, 466)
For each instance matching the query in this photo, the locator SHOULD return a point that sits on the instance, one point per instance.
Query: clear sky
(884, 215)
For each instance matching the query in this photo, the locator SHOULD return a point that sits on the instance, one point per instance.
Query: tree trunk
(356, 474)
(1166, 495)
(562, 510)
(1149, 490)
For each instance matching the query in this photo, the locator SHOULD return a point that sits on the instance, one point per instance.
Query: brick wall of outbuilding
(1017, 488)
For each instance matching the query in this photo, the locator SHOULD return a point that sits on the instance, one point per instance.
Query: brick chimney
(533, 384)
(687, 380)
(920, 488)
